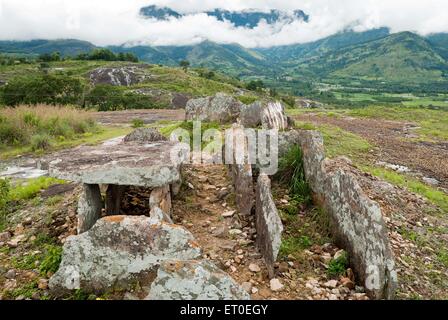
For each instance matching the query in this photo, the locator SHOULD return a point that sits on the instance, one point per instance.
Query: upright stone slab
(241, 171)
(90, 205)
(160, 203)
(357, 222)
(114, 195)
(268, 223)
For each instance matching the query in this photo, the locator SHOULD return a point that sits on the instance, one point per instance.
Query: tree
(255, 85)
(184, 64)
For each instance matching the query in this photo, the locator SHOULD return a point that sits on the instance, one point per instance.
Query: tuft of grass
(291, 171)
(337, 267)
(247, 99)
(137, 123)
(40, 142)
(292, 245)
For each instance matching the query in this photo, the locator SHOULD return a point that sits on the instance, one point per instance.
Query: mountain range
(245, 18)
(357, 58)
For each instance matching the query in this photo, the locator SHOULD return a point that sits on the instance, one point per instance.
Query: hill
(67, 47)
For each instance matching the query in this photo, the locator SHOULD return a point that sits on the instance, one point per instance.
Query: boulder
(179, 100)
(145, 135)
(194, 280)
(274, 117)
(221, 108)
(268, 223)
(356, 221)
(118, 252)
(251, 115)
(90, 205)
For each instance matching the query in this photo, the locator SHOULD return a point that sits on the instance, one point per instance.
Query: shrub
(4, 197)
(40, 142)
(137, 123)
(52, 260)
(48, 89)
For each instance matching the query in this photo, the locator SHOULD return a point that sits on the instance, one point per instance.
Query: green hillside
(68, 47)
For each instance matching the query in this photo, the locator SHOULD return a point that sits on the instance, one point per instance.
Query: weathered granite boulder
(251, 115)
(274, 117)
(179, 100)
(221, 108)
(269, 115)
(119, 251)
(268, 224)
(357, 222)
(119, 76)
(145, 135)
(194, 280)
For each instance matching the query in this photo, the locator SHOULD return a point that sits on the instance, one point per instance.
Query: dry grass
(41, 124)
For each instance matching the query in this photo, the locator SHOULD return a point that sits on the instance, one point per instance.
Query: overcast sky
(114, 22)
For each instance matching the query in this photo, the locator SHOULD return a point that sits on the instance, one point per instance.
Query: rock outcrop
(268, 224)
(194, 280)
(357, 222)
(145, 135)
(120, 76)
(221, 108)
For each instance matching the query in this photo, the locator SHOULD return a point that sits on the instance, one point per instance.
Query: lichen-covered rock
(194, 280)
(160, 203)
(286, 140)
(150, 165)
(179, 100)
(119, 251)
(274, 116)
(268, 223)
(221, 108)
(356, 221)
(145, 135)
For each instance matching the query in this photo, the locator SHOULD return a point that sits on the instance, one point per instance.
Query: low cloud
(114, 22)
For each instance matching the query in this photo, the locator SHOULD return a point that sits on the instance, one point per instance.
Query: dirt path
(394, 144)
(202, 208)
(148, 116)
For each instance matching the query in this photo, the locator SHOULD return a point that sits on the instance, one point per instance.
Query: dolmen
(142, 159)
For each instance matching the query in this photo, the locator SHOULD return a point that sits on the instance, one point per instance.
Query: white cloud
(113, 22)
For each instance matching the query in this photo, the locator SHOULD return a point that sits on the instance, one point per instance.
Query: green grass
(292, 172)
(435, 196)
(102, 134)
(337, 267)
(292, 245)
(51, 260)
(31, 188)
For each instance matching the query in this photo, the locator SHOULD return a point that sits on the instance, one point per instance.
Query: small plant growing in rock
(337, 267)
(4, 196)
(137, 123)
(52, 260)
